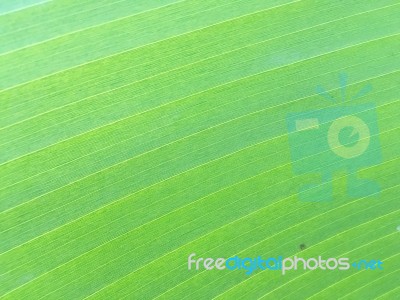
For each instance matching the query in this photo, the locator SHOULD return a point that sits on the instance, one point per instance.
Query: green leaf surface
(134, 133)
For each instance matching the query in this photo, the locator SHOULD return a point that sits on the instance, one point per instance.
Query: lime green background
(134, 133)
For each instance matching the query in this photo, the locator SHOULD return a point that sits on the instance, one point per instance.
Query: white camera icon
(333, 139)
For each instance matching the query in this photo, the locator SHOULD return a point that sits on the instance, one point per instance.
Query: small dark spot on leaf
(303, 246)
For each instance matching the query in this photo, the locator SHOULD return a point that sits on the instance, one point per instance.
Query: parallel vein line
(86, 28)
(142, 46)
(197, 93)
(347, 230)
(189, 64)
(197, 114)
(297, 224)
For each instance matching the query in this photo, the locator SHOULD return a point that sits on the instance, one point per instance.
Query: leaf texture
(134, 133)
